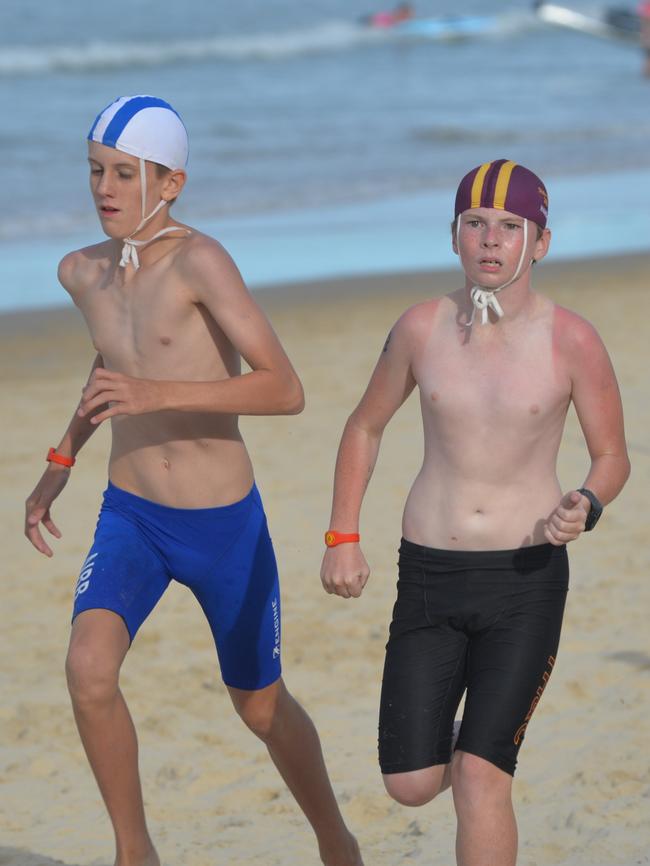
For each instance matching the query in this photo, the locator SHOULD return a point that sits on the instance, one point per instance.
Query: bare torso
(150, 326)
(494, 400)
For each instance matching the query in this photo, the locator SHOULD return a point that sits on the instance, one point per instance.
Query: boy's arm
(597, 401)
(271, 388)
(344, 570)
(54, 479)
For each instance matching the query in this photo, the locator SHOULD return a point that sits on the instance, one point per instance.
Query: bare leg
(293, 744)
(417, 787)
(487, 830)
(98, 644)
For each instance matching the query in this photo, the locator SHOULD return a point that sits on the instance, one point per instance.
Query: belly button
(165, 463)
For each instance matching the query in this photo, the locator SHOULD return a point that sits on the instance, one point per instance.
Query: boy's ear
(174, 183)
(454, 245)
(542, 244)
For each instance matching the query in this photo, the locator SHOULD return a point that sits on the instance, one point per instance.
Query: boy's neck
(150, 253)
(514, 300)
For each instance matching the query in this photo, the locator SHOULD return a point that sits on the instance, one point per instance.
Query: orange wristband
(54, 457)
(332, 537)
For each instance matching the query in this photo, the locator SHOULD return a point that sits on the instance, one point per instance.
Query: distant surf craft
(612, 22)
(442, 27)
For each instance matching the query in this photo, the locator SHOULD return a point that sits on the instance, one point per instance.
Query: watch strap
(596, 508)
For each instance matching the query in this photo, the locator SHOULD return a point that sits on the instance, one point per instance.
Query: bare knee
(98, 644)
(416, 787)
(92, 669)
(92, 678)
(259, 709)
(478, 784)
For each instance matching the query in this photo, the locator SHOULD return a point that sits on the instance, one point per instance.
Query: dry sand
(582, 789)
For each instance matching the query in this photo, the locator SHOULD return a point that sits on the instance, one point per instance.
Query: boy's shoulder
(420, 316)
(411, 332)
(420, 322)
(203, 259)
(572, 333)
(79, 269)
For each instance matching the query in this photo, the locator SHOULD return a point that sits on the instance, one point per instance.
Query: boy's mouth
(490, 264)
(107, 210)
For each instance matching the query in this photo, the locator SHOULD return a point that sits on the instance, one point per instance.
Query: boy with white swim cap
(150, 129)
(171, 319)
(483, 569)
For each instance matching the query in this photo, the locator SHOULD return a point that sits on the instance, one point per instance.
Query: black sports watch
(594, 512)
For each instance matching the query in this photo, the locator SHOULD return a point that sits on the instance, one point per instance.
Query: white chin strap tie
(485, 299)
(130, 248)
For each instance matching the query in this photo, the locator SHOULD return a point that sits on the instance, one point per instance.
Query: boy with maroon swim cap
(483, 569)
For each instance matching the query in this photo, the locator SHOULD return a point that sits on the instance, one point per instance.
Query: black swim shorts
(481, 623)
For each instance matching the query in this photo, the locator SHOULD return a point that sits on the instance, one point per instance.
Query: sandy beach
(582, 789)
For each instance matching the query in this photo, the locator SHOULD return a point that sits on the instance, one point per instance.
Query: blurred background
(321, 145)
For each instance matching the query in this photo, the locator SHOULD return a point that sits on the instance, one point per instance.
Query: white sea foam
(333, 36)
(328, 36)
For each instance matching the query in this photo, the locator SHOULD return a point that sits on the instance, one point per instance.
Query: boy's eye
(125, 175)
(513, 225)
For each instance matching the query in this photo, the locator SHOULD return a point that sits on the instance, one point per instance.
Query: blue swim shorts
(224, 555)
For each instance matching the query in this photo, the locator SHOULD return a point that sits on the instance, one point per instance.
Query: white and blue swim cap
(143, 126)
(151, 130)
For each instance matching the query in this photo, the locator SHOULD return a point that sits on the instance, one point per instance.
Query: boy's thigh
(422, 685)
(122, 573)
(241, 601)
(508, 668)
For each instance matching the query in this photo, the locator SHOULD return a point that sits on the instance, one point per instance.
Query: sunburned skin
(493, 413)
(494, 400)
(483, 567)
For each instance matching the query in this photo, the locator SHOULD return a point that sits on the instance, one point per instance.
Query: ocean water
(317, 146)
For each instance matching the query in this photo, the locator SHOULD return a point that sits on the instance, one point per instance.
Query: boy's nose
(104, 186)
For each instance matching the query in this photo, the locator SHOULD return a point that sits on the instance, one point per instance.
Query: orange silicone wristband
(54, 457)
(332, 537)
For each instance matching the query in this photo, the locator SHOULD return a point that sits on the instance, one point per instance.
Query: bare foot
(351, 856)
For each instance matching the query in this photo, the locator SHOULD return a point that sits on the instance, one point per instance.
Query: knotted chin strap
(482, 299)
(130, 248)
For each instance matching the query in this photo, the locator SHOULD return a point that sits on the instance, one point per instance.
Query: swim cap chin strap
(484, 299)
(130, 248)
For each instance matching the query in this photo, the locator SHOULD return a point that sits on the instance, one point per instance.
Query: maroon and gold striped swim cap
(504, 185)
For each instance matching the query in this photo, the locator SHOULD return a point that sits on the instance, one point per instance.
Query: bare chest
(151, 328)
(508, 386)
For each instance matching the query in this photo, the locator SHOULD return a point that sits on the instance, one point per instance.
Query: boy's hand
(37, 506)
(128, 396)
(344, 570)
(567, 522)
